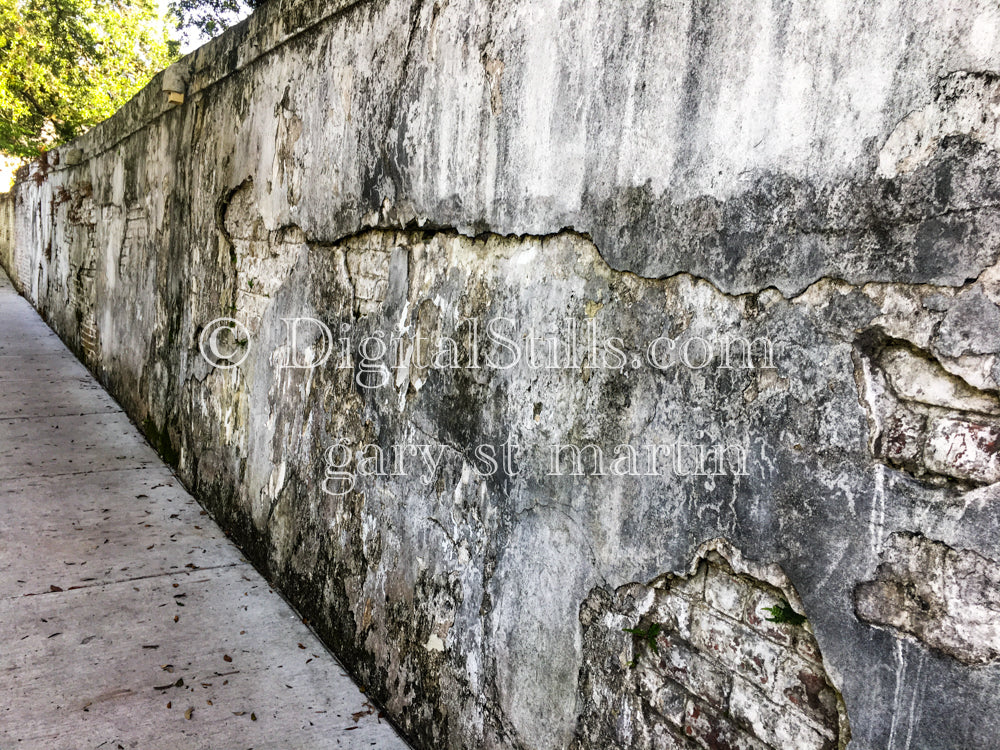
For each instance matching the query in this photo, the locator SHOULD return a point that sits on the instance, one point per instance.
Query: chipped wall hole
(718, 658)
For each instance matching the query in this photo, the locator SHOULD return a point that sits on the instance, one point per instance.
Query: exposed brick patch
(724, 677)
(81, 300)
(949, 599)
(923, 419)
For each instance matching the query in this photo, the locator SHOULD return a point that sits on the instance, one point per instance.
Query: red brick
(734, 645)
(692, 587)
(773, 724)
(801, 685)
(673, 612)
(725, 592)
(702, 676)
(756, 617)
(665, 697)
(965, 450)
(714, 732)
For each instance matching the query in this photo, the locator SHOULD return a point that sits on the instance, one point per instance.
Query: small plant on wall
(784, 614)
(648, 636)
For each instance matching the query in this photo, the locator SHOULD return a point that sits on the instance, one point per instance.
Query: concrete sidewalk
(127, 619)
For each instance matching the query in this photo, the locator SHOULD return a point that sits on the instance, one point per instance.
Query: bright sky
(194, 43)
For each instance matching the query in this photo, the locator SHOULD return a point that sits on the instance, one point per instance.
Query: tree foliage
(68, 64)
(208, 18)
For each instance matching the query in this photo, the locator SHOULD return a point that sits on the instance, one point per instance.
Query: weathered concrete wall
(6, 228)
(823, 176)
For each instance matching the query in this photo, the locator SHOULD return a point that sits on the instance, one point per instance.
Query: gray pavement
(127, 619)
